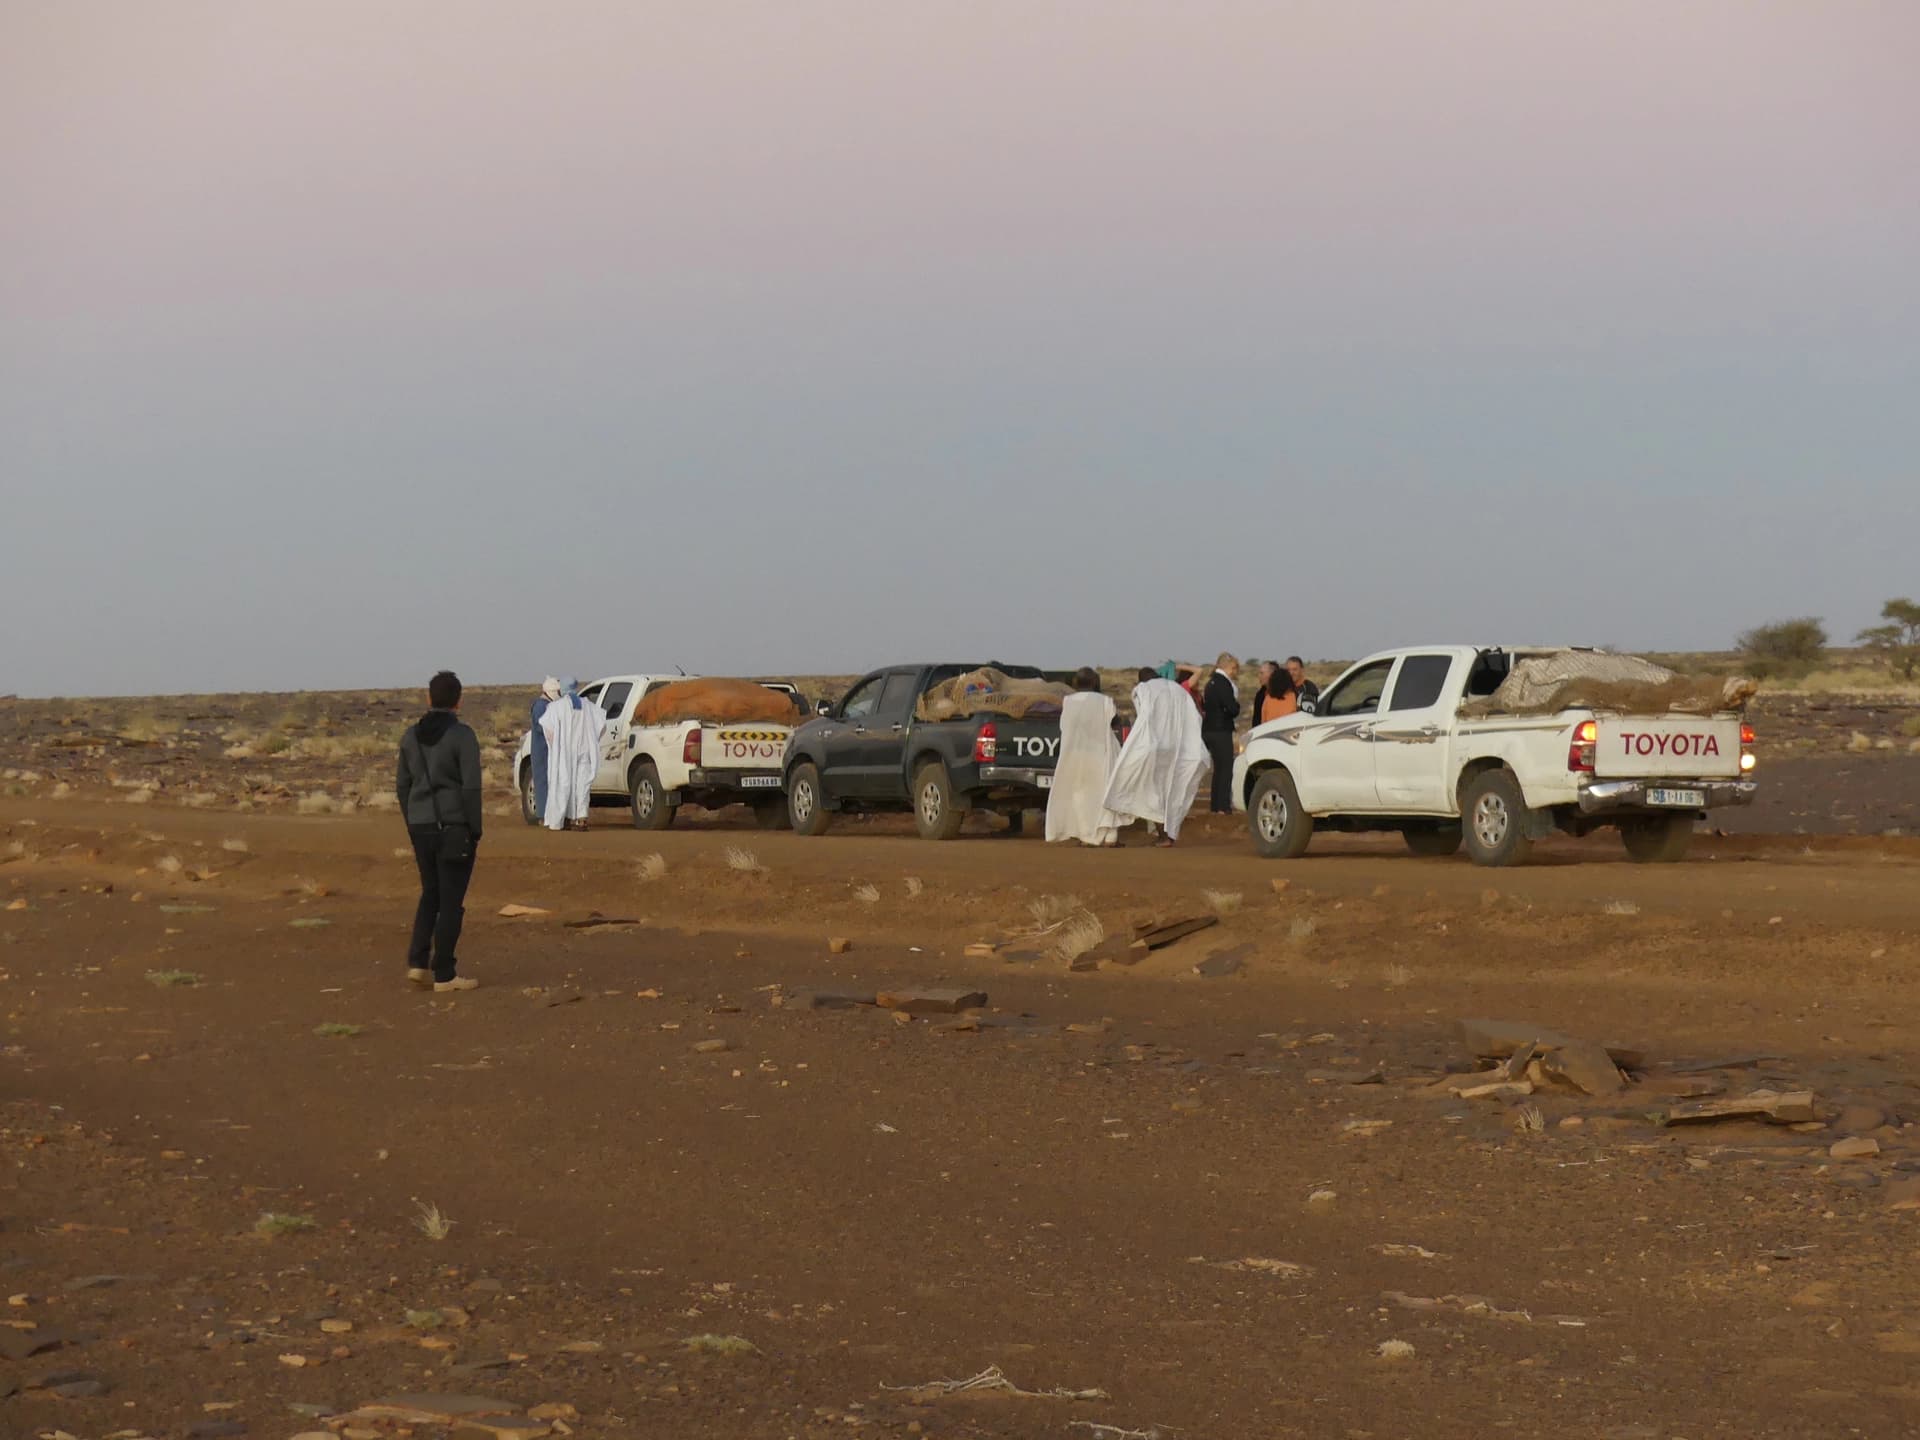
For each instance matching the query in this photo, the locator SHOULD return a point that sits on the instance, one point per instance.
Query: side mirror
(828, 709)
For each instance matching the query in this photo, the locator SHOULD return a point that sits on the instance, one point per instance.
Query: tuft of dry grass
(867, 894)
(649, 868)
(1301, 930)
(720, 1345)
(1051, 910)
(424, 1319)
(317, 802)
(1223, 902)
(273, 1224)
(147, 726)
(1529, 1120)
(914, 887)
(1082, 933)
(431, 1221)
(336, 1030)
(1398, 976)
(744, 860)
(172, 979)
(1621, 907)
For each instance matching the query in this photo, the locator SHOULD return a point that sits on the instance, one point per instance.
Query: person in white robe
(1088, 749)
(573, 728)
(1161, 759)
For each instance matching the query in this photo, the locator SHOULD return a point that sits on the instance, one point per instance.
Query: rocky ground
(684, 1176)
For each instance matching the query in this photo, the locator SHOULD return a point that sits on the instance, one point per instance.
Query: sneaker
(459, 982)
(420, 977)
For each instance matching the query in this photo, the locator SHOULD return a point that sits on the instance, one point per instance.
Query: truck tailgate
(742, 747)
(1032, 744)
(1635, 746)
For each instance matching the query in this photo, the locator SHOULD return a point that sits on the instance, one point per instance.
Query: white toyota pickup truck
(656, 769)
(1416, 741)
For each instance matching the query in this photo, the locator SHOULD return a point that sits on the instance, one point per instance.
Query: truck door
(1412, 734)
(843, 742)
(612, 774)
(1337, 766)
(886, 741)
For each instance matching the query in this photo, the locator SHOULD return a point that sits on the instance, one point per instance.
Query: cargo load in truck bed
(1545, 684)
(725, 702)
(988, 691)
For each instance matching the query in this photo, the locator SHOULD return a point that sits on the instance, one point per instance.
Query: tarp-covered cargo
(988, 691)
(1596, 680)
(721, 702)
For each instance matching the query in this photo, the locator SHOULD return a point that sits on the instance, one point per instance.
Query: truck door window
(1488, 673)
(614, 699)
(1422, 678)
(591, 694)
(896, 699)
(1359, 693)
(862, 699)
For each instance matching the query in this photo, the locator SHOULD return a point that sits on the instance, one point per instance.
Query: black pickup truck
(869, 751)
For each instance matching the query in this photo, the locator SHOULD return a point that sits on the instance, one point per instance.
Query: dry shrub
(1083, 932)
(867, 894)
(1223, 902)
(1051, 910)
(650, 868)
(317, 802)
(744, 861)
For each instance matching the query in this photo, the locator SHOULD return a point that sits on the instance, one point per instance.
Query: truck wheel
(1436, 843)
(527, 812)
(1016, 823)
(1281, 829)
(1658, 840)
(771, 814)
(1496, 819)
(805, 810)
(934, 813)
(650, 808)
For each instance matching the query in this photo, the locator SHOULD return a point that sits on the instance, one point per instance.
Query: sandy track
(888, 1203)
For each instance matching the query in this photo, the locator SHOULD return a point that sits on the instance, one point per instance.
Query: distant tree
(1785, 647)
(1897, 640)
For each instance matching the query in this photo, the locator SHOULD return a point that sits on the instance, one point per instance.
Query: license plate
(1678, 799)
(1045, 782)
(759, 782)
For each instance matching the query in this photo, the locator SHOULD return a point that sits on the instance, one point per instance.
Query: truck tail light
(690, 752)
(986, 744)
(1580, 751)
(1747, 758)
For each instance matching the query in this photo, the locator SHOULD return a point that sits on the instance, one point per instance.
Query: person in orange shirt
(1278, 696)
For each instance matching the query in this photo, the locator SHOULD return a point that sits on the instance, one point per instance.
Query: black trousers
(443, 897)
(1219, 745)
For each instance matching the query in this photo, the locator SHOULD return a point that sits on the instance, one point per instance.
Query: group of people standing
(566, 753)
(1183, 721)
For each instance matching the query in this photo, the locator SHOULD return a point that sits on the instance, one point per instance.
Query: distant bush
(1785, 648)
(1896, 641)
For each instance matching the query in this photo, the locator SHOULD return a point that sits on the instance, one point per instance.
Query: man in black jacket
(1309, 693)
(1220, 707)
(439, 787)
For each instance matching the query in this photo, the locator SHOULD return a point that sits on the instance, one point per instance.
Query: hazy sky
(342, 341)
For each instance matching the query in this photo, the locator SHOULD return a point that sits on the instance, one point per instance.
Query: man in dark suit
(1219, 708)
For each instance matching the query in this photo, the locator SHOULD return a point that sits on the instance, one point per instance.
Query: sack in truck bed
(990, 691)
(724, 702)
(1544, 684)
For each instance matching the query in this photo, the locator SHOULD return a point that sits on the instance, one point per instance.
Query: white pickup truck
(1410, 740)
(656, 769)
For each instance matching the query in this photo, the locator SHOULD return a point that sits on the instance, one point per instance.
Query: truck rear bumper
(766, 782)
(1027, 775)
(1605, 795)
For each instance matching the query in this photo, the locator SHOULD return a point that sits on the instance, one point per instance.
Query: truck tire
(1494, 818)
(1281, 829)
(806, 812)
(527, 812)
(935, 815)
(651, 809)
(1658, 839)
(1436, 842)
(771, 813)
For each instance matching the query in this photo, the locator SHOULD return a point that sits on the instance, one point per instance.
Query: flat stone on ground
(931, 1001)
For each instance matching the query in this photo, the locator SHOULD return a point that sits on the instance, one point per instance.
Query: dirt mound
(726, 702)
